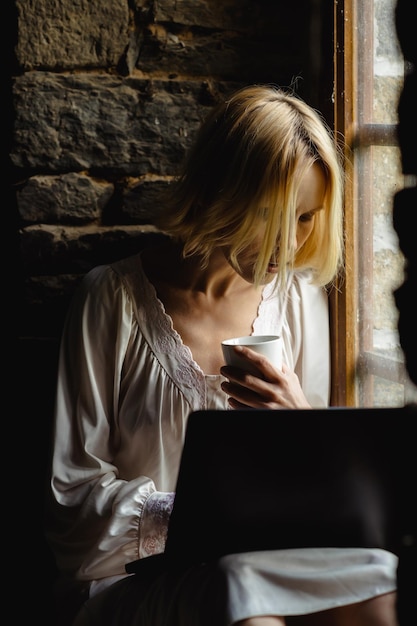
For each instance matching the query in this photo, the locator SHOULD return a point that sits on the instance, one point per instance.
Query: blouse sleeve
(96, 521)
(307, 322)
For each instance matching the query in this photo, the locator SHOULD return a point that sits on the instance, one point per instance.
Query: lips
(272, 268)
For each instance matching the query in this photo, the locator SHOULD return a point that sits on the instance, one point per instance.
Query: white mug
(268, 345)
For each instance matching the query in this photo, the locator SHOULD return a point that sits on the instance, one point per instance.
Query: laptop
(274, 479)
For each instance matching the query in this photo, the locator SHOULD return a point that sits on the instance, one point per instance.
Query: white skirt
(238, 586)
(299, 582)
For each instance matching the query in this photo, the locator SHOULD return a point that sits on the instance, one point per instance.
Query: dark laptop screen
(256, 480)
(261, 479)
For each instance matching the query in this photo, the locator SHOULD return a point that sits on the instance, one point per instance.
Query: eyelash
(306, 217)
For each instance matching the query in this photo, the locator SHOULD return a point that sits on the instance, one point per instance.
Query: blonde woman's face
(310, 200)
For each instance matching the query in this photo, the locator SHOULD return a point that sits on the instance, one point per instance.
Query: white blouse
(126, 385)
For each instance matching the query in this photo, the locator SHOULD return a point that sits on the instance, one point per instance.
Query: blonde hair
(247, 163)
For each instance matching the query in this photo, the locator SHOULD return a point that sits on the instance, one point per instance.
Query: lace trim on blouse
(154, 523)
(166, 343)
(157, 328)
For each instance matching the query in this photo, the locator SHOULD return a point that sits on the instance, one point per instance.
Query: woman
(254, 236)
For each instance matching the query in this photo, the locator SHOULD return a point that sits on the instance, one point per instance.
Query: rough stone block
(54, 34)
(104, 123)
(69, 199)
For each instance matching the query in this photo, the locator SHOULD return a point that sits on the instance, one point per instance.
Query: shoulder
(108, 276)
(103, 286)
(302, 286)
(306, 302)
(97, 284)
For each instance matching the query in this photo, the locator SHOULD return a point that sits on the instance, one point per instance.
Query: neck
(216, 279)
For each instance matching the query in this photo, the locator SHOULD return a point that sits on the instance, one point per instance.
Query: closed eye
(307, 217)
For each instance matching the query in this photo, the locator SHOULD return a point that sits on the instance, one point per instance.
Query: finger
(249, 388)
(240, 396)
(267, 371)
(235, 404)
(240, 376)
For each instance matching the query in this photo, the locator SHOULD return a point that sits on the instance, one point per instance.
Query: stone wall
(106, 97)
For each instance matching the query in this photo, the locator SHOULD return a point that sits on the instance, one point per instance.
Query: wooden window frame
(354, 359)
(343, 297)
